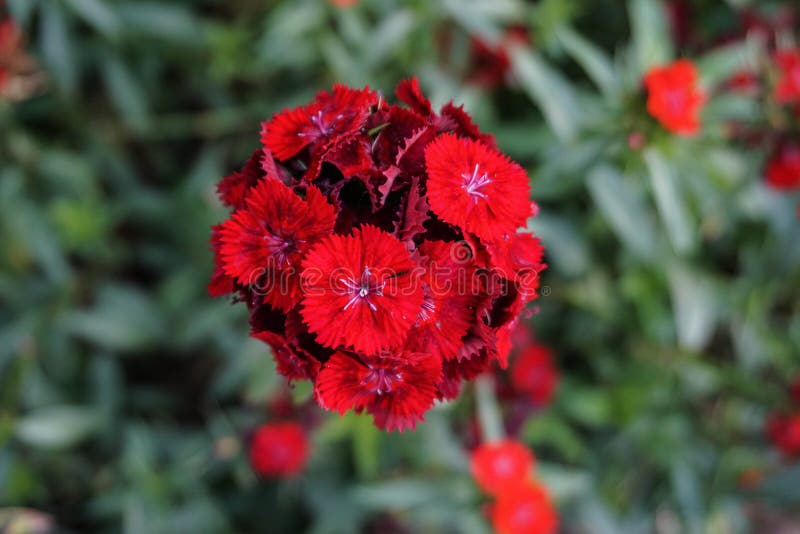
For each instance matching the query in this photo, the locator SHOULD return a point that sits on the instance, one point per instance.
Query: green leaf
(57, 427)
(549, 90)
(98, 15)
(624, 209)
(389, 36)
(366, 447)
(126, 93)
(563, 483)
(411, 492)
(694, 302)
(595, 62)
(652, 44)
(565, 245)
(782, 487)
(489, 417)
(483, 17)
(588, 406)
(680, 228)
(57, 49)
(689, 495)
(21, 10)
(165, 21)
(122, 319)
(723, 62)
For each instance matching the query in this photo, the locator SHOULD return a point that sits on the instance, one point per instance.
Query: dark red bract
(378, 250)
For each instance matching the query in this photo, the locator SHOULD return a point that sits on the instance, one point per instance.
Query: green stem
(489, 417)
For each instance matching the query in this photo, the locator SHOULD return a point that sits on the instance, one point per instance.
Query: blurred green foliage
(126, 393)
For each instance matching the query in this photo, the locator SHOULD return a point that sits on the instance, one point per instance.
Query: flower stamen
(363, 290)
(473, 183)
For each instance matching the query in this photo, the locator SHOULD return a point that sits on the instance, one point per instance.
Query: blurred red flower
(784, 432)
(674, 98)
(279, 449)
(524, 509)
(496, 466)
(783, 167)
(787, 89)
(534, 374)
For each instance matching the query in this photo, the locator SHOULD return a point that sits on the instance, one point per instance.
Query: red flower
(476, 188)
(500, 465)
(262, 244)
(673, 97)
(397, 389)
(533, 373)
(362, 291)
(784, 432)
(331, 115)
(279, 449)
(787, 89)
(524, 509)
(783, 167)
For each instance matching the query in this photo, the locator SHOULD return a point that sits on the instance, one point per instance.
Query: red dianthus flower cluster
(377, 249)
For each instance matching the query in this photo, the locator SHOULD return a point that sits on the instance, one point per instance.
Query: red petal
(409, 92)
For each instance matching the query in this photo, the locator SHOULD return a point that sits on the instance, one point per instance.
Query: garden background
(671, 303)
